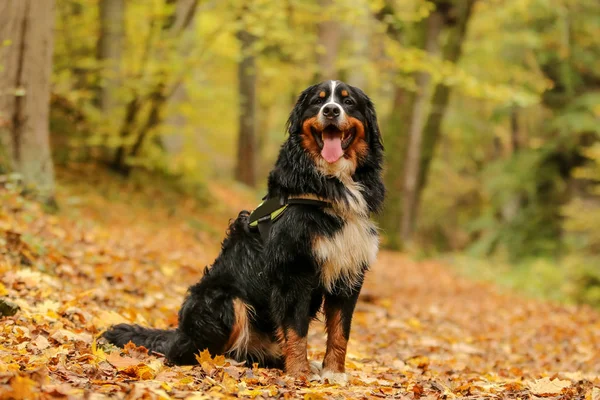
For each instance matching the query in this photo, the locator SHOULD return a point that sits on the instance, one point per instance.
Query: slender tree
(184, 21)
(245, 170)
(329, 40)
(415, 143)
(457, 19)
(110, 48)
(433, 26)
(26, 30)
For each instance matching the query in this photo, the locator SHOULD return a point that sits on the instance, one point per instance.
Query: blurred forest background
(490, 111)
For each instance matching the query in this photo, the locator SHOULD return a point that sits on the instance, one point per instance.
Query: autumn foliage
(419, 330)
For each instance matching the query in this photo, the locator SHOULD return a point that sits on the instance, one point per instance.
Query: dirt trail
(419, 330)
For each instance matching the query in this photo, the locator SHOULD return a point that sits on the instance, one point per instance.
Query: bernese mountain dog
(256, 301)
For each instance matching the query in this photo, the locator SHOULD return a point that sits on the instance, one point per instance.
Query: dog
(256, 301)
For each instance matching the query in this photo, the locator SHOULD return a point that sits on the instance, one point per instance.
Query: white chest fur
(344, 256)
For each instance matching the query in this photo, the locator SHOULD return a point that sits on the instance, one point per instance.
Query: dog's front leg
(338, 318)
(293, 324)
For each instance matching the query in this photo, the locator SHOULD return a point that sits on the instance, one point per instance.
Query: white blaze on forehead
(331, 100)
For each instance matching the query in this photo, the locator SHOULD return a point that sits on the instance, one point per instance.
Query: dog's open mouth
(332, 141)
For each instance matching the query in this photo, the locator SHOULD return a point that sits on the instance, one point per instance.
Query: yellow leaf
(22, 388)
(99, 353)
(419, 361)
(219, 361)
(141, 371)
(107, 318)
(186, 381)
(230, 384)
(204, 356)
(546, 386)
(414, 323)
(313, 396)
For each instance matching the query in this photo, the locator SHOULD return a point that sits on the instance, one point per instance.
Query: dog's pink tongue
(332, 147)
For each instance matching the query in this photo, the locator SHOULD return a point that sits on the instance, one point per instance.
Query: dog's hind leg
(207, 320)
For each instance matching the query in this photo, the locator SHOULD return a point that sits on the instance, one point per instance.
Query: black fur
(280, 277)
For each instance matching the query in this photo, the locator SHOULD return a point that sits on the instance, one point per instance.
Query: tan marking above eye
(344, 93)
(322, 94)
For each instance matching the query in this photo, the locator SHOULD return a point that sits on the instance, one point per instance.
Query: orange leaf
(121, 362)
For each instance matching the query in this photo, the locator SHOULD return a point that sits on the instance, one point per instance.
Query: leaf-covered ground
(419, 331)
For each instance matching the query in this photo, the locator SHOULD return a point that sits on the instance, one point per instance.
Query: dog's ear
(373, 131)
(294, 123)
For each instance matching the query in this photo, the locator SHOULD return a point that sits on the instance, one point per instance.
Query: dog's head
(337, 125)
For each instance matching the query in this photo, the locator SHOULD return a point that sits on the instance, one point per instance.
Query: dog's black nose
(331, 111)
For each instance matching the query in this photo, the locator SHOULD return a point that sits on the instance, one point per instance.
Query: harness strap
(270, 210)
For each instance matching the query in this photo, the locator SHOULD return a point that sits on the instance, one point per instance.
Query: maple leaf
(418, 391)
(140, 371)
(135, 351)
(204, 356)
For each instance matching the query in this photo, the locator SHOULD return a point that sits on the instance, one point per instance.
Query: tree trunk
(174, 140)
(245, 170)
(329, 38)
(110, 47)
(433, 28)
(27, 25)
(396, 142)
(360, 48)
(441, 96)
(183, 22)
(515, 139)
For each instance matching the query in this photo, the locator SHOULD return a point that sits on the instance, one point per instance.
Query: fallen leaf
(41, 343)
(545, 386)
(63, 336)
(121, 362)
(8, 308)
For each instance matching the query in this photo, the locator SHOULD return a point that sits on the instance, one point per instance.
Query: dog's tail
(176, 346)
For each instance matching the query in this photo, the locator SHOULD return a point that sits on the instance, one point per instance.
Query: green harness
(270, 210)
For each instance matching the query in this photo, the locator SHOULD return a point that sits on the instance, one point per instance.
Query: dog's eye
(348, 102)
(318, 101)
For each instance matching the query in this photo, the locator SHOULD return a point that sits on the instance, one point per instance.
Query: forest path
(419, 330)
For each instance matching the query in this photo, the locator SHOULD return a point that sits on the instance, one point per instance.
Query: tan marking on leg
(294, 352)
(335, 355)
(239, 339)
(244, 341)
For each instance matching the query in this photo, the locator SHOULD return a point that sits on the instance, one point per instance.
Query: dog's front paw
(337, 378)
(316, 367)
(315, 378)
